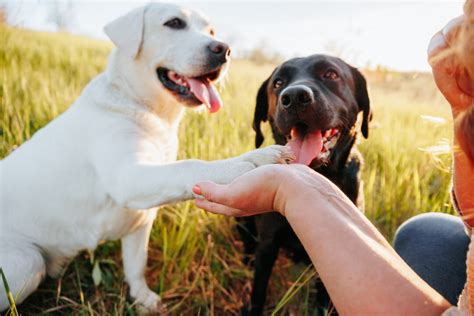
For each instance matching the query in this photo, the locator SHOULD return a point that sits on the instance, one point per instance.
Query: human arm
(362, 272)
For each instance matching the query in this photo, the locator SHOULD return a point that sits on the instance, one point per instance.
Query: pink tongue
(306, 149)
(206, 93)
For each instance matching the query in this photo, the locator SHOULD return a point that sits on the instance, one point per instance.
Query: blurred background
(391, 34)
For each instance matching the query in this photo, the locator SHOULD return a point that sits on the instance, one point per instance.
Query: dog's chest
(116, 223)
(163, 140)
(169, 149)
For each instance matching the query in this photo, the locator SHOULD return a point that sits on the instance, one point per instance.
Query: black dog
(312, 105)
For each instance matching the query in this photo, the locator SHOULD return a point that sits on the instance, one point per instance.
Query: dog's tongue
(306, 148)
(206, 93)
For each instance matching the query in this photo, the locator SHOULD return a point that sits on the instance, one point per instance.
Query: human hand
(261, 190)
(449, 67)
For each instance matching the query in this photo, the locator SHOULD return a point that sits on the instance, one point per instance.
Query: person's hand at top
(451, 55)
(450, 68)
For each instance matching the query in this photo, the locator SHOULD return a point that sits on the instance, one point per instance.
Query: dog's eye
(331, 75)
(176, 23)
(277, 83)
(211, 31)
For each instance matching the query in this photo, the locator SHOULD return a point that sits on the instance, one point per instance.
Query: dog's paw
(149, 303)
(274, 154)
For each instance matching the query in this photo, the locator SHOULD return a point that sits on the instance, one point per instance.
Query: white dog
(101, 169)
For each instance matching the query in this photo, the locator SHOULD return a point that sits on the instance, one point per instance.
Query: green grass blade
(13, 310)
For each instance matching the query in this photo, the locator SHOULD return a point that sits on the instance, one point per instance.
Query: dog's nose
(296, 96)
(220, 50)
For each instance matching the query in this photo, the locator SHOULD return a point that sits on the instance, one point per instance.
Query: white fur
(100, 170)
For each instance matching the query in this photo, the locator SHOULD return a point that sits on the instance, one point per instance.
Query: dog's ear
(362, 98)
(126, 32)
(261, 112)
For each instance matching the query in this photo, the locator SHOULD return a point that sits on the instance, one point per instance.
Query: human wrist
(298, 185)
(280, 177)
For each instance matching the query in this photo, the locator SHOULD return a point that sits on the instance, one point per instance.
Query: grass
(9, 294)
(195, 258)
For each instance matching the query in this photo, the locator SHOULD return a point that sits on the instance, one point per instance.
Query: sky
(391, 34)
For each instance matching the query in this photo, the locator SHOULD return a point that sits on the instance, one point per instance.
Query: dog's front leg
(135, 254)
(139, 184)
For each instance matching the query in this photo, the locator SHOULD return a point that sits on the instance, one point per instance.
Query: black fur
(261, 113)
(362, 98)
(264, 235)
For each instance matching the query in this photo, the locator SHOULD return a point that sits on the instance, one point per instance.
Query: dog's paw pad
(272, 155)
(287, 155)
(281, 154)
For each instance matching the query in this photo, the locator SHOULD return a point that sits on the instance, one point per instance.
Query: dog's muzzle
(296, 96)
(219, 52)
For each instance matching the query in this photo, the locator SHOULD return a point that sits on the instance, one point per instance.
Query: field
(195, 258)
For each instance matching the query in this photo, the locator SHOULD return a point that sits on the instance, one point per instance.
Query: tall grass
(195, 258)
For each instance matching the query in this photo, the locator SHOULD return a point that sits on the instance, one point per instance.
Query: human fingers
(452, 29)
(221, 209)
(436, 45)
(214, 192)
